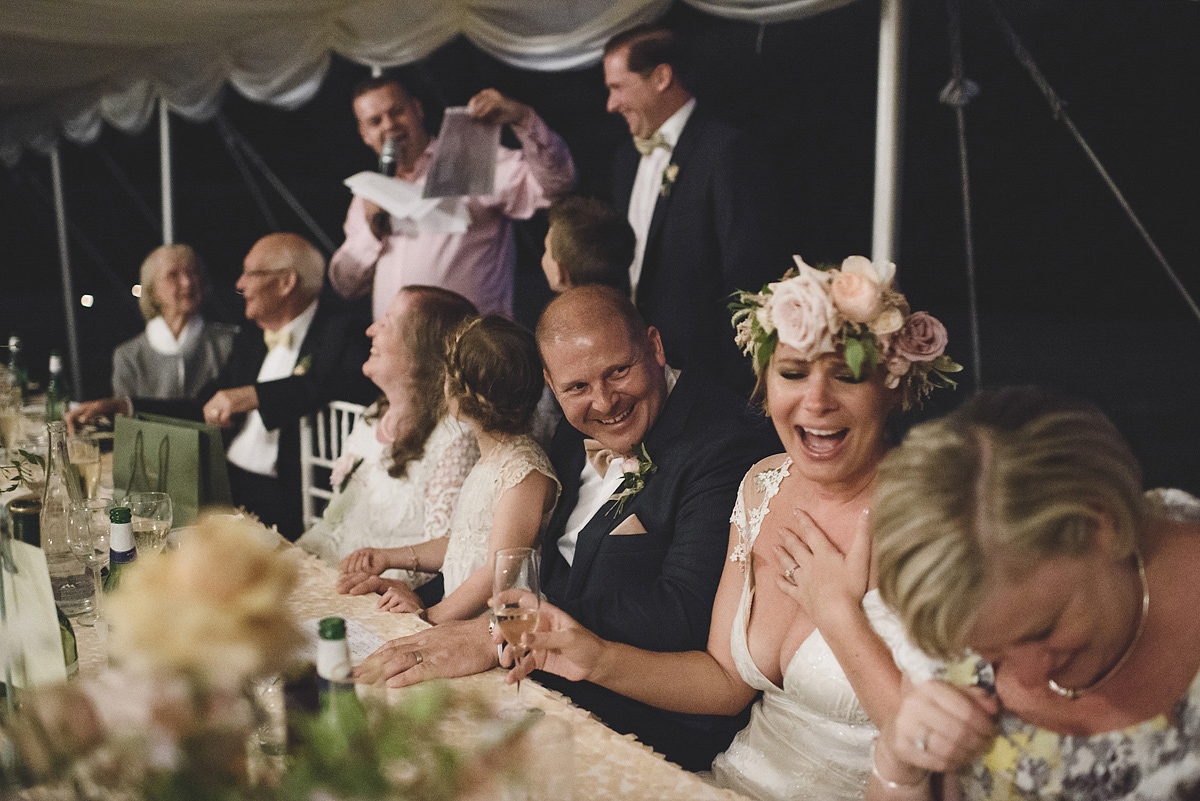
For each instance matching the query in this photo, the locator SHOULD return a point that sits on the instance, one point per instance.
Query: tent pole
(889, 129)
(64, 262)
(164, 161)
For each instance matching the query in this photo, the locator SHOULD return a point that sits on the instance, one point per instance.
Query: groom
(643, 571)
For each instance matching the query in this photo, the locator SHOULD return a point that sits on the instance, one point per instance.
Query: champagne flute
(87, 536)
(515, 595)
(152, 514)
(84, 452)
(10, 418)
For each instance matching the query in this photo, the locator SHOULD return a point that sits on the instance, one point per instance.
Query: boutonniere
(668, 179)
(343, 469)
(303, 365)
(638, 468)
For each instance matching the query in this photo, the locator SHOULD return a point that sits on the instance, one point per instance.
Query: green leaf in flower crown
(944, 364)
(763, 357)
(870, 352)
(854, 354)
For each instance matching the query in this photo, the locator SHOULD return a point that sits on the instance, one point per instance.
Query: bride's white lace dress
(809, 739)
(374, 510)
(471, 525)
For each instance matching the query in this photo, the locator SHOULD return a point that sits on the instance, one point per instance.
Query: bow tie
(601, 457)
(647, 146)
(276, 338)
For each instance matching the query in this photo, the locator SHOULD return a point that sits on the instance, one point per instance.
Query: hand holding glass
(152, 514)
(515, 596)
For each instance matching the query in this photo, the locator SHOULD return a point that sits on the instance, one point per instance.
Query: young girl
(493, 383)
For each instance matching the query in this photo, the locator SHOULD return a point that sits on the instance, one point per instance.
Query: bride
(796, 615)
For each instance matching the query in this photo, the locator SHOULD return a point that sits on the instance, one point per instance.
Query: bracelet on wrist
(891, 785)
(416, 563)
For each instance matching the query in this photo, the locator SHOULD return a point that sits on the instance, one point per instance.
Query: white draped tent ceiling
(68, 66)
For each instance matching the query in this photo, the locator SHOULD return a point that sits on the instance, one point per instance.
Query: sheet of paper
(465, 163)
(361, 641)
(410, 212)
(30, 634)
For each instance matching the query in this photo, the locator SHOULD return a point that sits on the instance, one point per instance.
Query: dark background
(1069, 294)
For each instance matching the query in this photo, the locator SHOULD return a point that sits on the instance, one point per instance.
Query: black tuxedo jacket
(655, 589)
(716, 229)
(333, 352)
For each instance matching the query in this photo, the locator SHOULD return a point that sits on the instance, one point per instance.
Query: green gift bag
(183, 458)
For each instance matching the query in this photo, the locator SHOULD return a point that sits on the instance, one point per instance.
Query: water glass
(87, 536)
(152, 513)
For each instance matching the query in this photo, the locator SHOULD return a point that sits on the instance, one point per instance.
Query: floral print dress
(1155, 760)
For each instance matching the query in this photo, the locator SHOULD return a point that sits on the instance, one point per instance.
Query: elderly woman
(1016, 528)
(397, 480)
(180, 351)
(836, 353)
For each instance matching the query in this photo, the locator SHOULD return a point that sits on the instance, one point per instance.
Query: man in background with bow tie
(635, 561)
(302, 354)
(701, 198)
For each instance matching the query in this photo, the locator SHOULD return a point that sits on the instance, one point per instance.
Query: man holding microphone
(383, 253)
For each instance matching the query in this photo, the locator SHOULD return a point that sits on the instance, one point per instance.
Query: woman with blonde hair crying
(493, 384)
(1014, 540)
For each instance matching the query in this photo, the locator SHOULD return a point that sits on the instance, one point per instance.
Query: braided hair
(494, 374)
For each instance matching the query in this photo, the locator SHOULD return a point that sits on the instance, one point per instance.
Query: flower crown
(855, 308)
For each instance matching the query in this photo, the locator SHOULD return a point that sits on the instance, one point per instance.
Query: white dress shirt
(595, 490)
(256, 449)
(647, 185)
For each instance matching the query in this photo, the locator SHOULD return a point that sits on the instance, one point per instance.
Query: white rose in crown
(802, 312)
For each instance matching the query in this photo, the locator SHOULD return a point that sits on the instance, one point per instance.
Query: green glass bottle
(122, 550)
(25, 514)
(342, 718)
(56, 390)
(70, 650)
(20, 377)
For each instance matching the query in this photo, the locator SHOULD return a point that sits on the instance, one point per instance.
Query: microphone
(387, 158)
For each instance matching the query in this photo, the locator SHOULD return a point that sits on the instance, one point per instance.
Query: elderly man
(301, 355)
(382, 253)
(642, 570)
(702, 201)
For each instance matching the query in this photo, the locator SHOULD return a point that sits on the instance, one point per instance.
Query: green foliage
(22, 470)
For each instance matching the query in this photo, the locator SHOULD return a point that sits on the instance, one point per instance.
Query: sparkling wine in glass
(84, 452)
(515, 595)
(152, 515)
(87, 536)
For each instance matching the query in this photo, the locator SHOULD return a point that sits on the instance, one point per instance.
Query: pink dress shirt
(478, 263)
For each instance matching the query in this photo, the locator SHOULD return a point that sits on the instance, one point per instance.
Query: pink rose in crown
(856, 296)
(922, 338)
(803, 314)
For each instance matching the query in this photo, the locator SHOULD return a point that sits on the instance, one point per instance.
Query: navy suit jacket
(717, 229)
(655, 589)
(334, 349)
